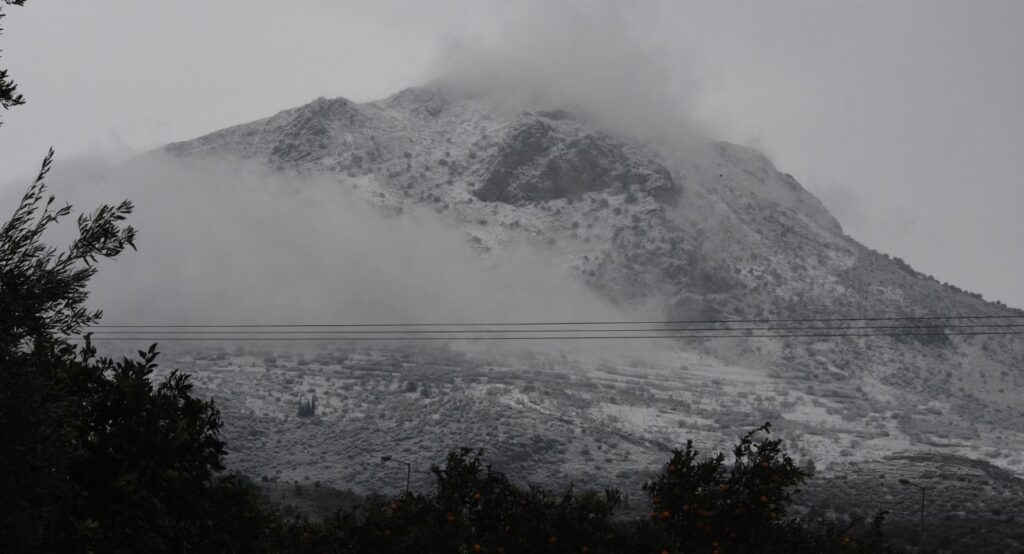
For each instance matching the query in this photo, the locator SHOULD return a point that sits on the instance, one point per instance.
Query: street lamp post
(920, 536)
(408, 469)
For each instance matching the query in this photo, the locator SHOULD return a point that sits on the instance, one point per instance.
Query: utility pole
(919, 541)
(408, 469)
(920, 535)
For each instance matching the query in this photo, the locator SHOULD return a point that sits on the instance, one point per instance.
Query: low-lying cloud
(230, 243)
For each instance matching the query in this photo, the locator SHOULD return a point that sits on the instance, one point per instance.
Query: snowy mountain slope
(705, 221)
(693, 229)
(710, 228)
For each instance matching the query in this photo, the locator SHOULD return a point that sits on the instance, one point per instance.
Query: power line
(553, 337)
(563, 330)
(565, 323)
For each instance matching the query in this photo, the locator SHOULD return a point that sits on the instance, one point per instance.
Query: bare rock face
(313, 130)
(548, 158)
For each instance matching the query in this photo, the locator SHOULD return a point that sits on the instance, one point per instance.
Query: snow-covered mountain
(711, 228)
(687, 227)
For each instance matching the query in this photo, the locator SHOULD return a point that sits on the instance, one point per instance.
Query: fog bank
(229, 243)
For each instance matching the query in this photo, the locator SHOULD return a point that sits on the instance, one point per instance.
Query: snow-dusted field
(548, 418)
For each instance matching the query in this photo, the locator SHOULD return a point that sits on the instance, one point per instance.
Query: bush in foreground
(697, 505)
(95, 456)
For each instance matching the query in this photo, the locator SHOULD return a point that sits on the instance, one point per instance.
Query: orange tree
(708, 505)
(697, 505)
(698, 502)
(473, 509)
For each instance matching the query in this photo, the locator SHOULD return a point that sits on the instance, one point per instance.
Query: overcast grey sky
(904, 117)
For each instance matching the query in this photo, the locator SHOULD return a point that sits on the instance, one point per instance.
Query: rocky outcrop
(548, 158)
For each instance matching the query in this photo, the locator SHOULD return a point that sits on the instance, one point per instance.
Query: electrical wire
(566, 323)
(563, 330)
(553, 337)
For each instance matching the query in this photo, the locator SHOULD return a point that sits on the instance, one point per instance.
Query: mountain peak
(639, 220)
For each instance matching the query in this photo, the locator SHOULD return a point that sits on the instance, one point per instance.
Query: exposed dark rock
(540, 160)
(428, 101)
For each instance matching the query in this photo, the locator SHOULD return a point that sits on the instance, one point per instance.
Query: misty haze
(476, 277)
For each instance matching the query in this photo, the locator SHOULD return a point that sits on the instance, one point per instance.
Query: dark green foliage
(476, 509)
(741, 503)
(41, 297)
(95, 455)
(9, 95)
(43, 292)
(740, 506)
(146, 455)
